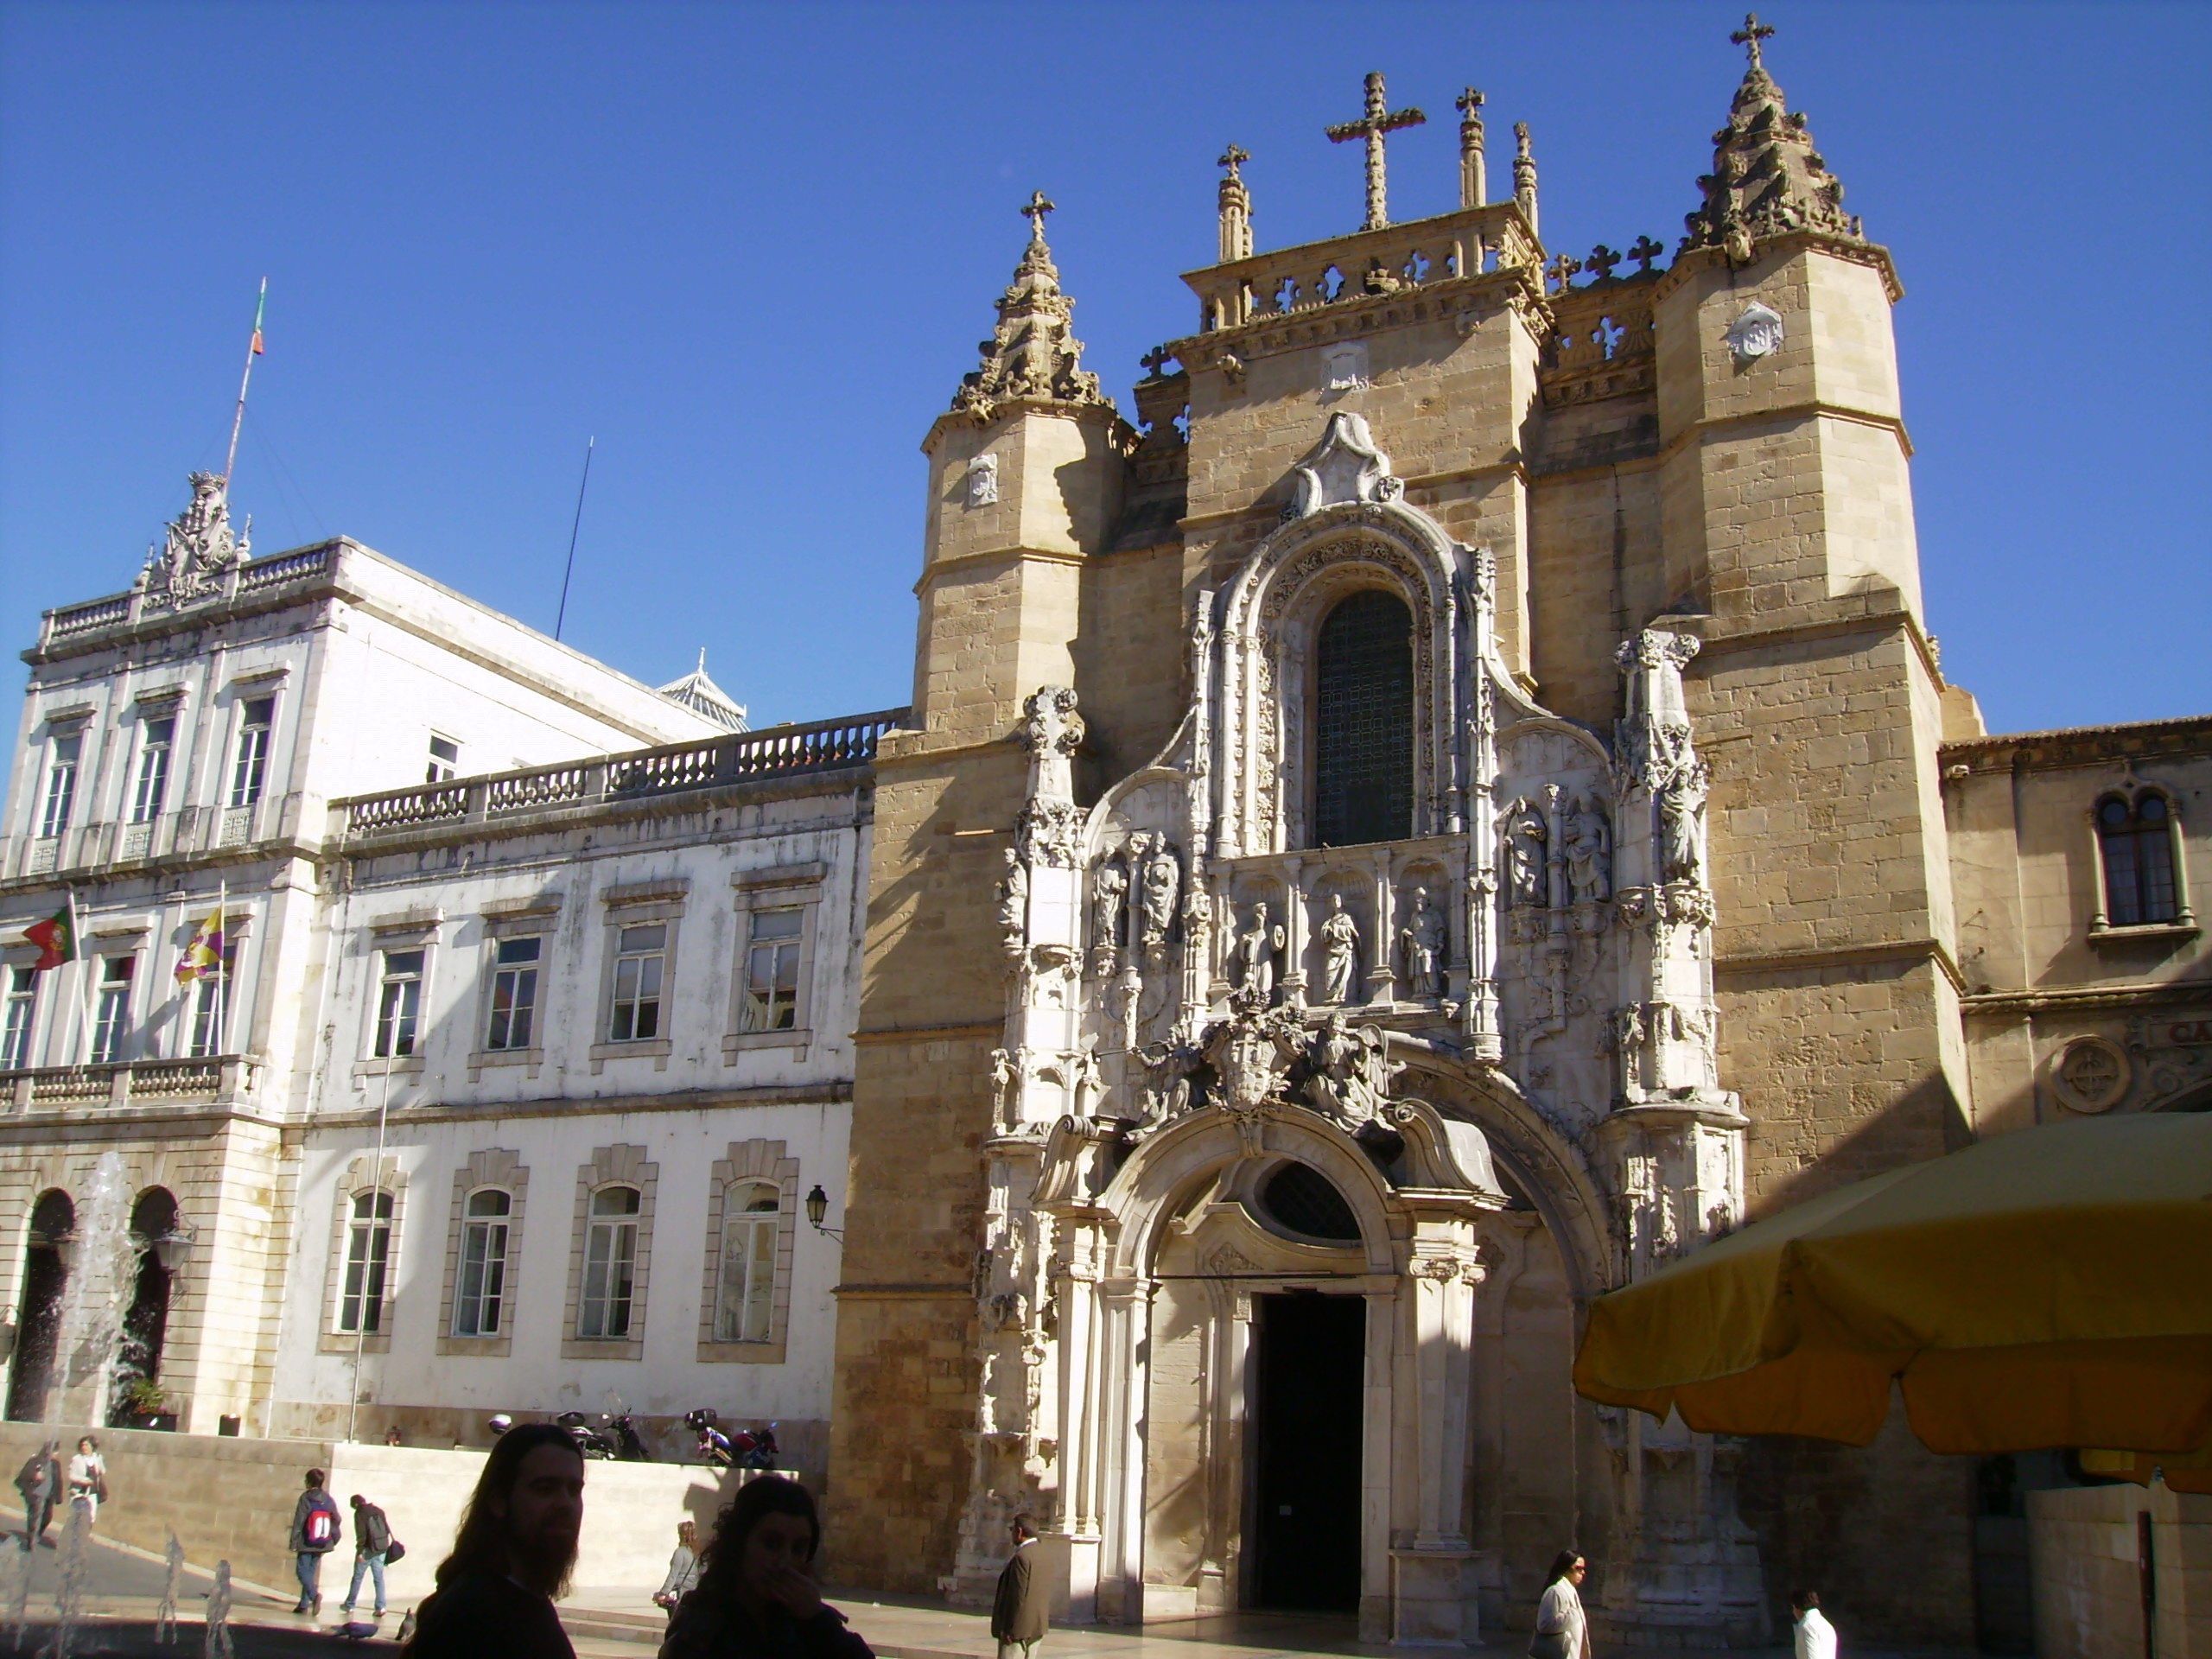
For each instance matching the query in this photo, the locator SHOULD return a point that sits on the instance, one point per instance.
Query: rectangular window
(62, 755)
(748, 1288)
(210, 1013)
(514, 994)
(640, 966)
(399, 1004)
(22, 1010)
(153, 786)
(610, 1264)
(112, 1018)
(479, 1299)
(772, 970)
(250, 769)
(445, 760)
(368, 1254)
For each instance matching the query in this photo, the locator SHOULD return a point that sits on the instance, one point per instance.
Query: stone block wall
(2086, 1552)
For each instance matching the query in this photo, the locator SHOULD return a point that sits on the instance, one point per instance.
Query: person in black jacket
(40, 1482)
(372, 1538)
(757, 1598)
(512, 1556)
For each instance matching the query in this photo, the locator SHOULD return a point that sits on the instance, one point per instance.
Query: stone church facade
(1456, 806)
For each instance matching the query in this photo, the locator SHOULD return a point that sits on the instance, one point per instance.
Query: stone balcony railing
(1396, 259)
(185, 832)
(821, 746)
(218, 1080)
(71, 625)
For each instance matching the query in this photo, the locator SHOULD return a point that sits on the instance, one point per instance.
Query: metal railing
(675, 768)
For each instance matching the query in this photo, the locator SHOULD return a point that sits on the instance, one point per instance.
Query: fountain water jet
(69, 1593)
(102, 1276)
(165, 1617)
(218, 1642)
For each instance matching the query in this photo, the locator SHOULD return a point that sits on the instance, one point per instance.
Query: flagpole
(223, 955)
(79, 1054)
(252, 351)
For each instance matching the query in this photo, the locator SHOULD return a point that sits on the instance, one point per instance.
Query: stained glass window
(1364, 722)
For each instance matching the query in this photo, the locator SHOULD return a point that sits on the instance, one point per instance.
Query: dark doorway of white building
(1310, 1361)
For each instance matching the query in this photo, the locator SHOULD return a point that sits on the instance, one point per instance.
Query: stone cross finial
(1644, 252)
(1602, 260)
(1524, 172)
(1378, 120)
(1034, 210)
(1751, 35)
(1235, 206)
(1562, 268)
(1473, 186)
(1232, 158)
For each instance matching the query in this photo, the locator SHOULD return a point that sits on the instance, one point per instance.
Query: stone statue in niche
(1256, 950)
(1589, 875)
(1340, 952)
(1525, 839)
(1109, 899)
(1422, 941)
(1005, 1072)
(1163, 879)
(1014, 903)
(1682, 826)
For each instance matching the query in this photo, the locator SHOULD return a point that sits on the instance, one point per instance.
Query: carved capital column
(1430, 1601)
(1293, 923)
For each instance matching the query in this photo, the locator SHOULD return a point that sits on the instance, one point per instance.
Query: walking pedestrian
(371, 1545)
(316, 1532)
(1814, 1636)
(88, 1478)
(512, 1556)
(39, 1481)
(1561, 1631)
(1022, 1612)
(757, 1598)
(682, 1568)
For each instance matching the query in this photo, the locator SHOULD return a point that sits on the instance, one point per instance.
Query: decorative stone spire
(1473, 186)
(1032, 357)
(1767, 179)
(1524, 174)
(1235, 207)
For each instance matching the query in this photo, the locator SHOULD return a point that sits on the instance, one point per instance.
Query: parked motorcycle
(757, 1449)
(591, 1441)
(714, 1448)
(629, 1444)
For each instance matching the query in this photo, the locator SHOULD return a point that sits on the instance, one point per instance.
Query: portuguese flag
(56, 939)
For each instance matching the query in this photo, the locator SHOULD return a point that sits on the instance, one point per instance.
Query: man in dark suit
(1021, 1613)
(40, 1482)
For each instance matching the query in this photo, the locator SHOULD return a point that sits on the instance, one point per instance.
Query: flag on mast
(260, 307)
(203, 951)
(56, 939)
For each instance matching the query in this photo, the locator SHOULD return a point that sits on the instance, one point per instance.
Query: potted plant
(142, 1404)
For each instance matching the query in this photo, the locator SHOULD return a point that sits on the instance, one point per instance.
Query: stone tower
(1181, 1006)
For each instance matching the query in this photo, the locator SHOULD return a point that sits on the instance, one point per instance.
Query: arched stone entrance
(154, 1227)
(38, 1307)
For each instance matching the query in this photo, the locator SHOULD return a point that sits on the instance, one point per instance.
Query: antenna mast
(562, 616)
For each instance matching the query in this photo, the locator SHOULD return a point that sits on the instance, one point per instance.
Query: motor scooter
(629, 1444)
(591, 1442)
(714, 1448)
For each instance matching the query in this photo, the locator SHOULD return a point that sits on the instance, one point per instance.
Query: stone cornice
(1692, 260)
(935, 568)
(1271, 333)
(2081, 745)
(999, 414)
(1810, 408)
(834, 1091)
(1847, 956)
(990, 1029)
(2087, 997)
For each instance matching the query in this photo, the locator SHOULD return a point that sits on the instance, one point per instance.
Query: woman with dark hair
(757, 1598)
(512, 1556)
(1561, 1632)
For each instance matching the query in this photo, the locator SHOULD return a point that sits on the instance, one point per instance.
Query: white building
(485, 902)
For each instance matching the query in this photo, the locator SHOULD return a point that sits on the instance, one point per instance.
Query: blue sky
(750, 250)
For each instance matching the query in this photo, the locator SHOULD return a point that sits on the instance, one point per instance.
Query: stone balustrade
(73, 622)
(1395, 259)
(216, 1080)
(710, 763)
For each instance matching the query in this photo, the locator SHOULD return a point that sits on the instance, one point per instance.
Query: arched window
(479, 1298)
(751, 1220)
(368, 1256)
(2136, 840)
(1363, 721)
(610, 1263)
(1303, 1200)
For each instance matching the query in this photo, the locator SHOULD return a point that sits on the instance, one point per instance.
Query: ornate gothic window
(1364, 722)
(2137, 841)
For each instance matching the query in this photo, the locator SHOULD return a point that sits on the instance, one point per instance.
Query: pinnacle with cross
(1644, 252)
(1378, 120)
(1232, 158)
(1751, 35)
(1469, 103)
(1034, 210)
(1560, 270)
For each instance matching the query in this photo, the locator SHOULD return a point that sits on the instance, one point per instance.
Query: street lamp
(817, 1205)
(174, 1247)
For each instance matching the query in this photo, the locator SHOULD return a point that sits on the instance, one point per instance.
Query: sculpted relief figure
(1349, 1077)
(1110, 896)
(1589, 875)
(1256, 950)
(1422, 940)
(1682, 826)
(1163, 879)
(1524, 859)
(1013, 902)
(1340, 952)
(1052, 730)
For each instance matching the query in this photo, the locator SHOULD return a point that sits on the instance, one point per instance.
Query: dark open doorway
(1309, 1365)
(38, 1313)
(135, 1400)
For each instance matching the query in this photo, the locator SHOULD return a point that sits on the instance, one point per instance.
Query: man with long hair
(512, 1556)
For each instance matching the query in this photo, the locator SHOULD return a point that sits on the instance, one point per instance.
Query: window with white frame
(250, 767)
(752, 1216)
(111, 1011)
(610, 1264)
(211, 1005)
(63, 753)
(22, 1013)
(399, 1003)
(771, 969)
(445, 760)
(640, 976)
(156, 740)
(513, 1022)
(368, 1256)
(479, 1296)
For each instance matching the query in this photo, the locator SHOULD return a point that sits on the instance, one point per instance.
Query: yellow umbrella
(2050, 1287)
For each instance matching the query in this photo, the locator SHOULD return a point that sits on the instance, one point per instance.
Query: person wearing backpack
(373, 1548)
(316, 1532)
